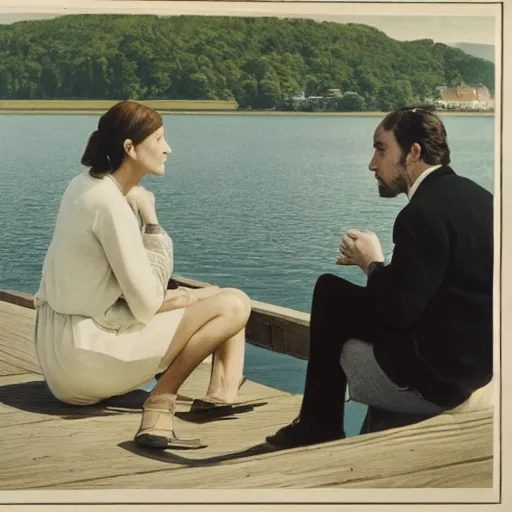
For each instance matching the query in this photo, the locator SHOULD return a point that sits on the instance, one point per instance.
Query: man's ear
(415, 153)
(129, 148)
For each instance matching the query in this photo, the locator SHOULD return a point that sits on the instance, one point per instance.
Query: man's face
(388, 164)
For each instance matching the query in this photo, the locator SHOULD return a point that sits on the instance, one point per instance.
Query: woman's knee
(235, 303)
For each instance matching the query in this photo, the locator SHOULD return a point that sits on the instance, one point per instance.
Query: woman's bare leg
(205, 326)
(228, 368)
(228, 360)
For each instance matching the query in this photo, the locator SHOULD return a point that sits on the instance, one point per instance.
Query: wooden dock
(49, 445)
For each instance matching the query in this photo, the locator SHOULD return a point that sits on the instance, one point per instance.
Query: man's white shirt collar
(420, 178)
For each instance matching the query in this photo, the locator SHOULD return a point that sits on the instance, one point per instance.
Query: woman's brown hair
(127, 119)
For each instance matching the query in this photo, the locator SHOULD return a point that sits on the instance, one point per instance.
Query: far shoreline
(95, 112)
(176, 107)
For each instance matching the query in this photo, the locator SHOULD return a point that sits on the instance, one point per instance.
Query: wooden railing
(275, 328)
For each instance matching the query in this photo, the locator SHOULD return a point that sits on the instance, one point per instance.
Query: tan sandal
(157, 429)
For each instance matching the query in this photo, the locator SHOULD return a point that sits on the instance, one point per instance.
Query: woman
(106, 323)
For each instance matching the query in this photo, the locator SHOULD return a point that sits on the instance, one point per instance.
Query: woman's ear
(129, 148)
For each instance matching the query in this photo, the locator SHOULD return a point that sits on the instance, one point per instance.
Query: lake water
(254, 202)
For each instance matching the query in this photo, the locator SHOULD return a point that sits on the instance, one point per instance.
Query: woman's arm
(178, 298)
(117, 230)
(183, 297)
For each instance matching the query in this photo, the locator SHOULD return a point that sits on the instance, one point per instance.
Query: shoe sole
(161, 443)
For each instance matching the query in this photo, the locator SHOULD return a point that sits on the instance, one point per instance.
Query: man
(417, 340)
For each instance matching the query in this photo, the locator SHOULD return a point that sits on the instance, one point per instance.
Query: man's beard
(396, 187)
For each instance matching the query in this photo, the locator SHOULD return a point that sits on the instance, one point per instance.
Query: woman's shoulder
(91, 197)
(99, 193)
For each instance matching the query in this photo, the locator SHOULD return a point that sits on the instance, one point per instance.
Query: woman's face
(151, 154)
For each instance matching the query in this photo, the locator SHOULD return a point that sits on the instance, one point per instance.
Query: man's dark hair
(422, 126)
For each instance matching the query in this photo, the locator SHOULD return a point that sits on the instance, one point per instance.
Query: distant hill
(259, 62)
(484, 51)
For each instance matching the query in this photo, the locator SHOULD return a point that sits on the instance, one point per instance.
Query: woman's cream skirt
(84, 364)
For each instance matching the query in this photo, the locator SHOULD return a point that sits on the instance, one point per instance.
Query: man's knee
(326, 280)
(326, 284)
(354, 361)
(338, 286)
(356, 352)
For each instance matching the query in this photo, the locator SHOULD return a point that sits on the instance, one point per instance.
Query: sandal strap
(157, 431)
(156, 422)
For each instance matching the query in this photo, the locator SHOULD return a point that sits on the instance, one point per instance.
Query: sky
(447, 23)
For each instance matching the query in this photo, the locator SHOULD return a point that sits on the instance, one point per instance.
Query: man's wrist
(374, 265)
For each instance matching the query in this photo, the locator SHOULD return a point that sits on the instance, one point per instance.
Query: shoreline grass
(174, 107)
(236, 113)
(105, 104)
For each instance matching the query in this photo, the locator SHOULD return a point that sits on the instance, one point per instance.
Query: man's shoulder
(450, 198)
(449, 183)
(449, 192)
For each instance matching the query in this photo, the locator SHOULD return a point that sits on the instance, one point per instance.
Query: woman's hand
(143, 201)
(183, 297)
(176, 299)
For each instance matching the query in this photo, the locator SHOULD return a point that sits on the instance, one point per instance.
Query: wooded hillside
(259, 62)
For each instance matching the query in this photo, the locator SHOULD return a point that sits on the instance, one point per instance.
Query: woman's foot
(222, 396)
(157, 425)
(215, 401)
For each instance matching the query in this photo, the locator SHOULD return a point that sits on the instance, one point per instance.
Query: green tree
(350, 102)
(261, 62)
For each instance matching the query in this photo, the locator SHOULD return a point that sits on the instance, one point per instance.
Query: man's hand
(359, 248)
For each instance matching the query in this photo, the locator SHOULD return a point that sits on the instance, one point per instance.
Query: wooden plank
(7, 369)
(17, 349)
(64, 452)
(466, 475)
(29, 397)
(439, 450)
(91, 447)
(19, 298)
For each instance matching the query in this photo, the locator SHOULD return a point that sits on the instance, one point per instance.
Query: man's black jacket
(438, 288)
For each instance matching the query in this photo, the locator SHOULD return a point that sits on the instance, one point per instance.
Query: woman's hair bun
(95, 155)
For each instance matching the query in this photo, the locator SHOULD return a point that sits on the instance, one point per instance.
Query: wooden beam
(275, 328)
(24, 300)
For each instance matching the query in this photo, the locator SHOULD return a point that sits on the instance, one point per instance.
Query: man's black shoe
(302, 433)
